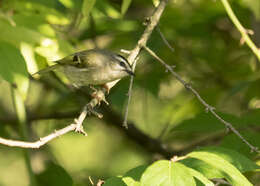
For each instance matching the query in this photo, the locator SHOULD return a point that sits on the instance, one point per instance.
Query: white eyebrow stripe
(122, 59)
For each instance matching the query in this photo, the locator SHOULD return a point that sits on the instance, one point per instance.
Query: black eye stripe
(123, 61)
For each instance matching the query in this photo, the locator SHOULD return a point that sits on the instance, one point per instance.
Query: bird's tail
(47, 69)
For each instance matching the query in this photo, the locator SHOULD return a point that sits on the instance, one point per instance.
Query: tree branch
(201, 100)
(39, 143)
(111, 117)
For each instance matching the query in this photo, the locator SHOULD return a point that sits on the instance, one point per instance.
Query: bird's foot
(92, 111)
(79, 127)
(99, 96)
(106, 87)
(93, 88)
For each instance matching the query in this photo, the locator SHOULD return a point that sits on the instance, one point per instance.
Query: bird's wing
(47, 69)
(76, 59)
(85, 59)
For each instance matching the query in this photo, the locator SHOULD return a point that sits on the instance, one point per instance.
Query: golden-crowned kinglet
(92, 67)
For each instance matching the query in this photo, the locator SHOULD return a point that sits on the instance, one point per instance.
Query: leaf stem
(21, 115)
(241, 29)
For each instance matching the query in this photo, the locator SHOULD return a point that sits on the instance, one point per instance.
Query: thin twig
(164, 39)
(201, 100)
(90, 180)
(129, 94)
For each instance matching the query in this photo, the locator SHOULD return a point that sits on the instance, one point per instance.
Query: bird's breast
(92, 76)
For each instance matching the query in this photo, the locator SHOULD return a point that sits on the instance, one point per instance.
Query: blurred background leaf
(54, 175)
(87, 7)
(13, 68)
(125, 5)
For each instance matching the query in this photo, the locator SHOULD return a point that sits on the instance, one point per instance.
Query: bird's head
(122, 65)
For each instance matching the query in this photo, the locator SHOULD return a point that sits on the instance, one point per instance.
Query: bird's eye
(122, 64)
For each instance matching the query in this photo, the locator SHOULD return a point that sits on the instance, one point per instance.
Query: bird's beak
(131, 73)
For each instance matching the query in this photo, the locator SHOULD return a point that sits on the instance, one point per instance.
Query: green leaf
(46, 9)
(200, 177)
(230, 172)
(9, 34)
(125, 5)
(131, 182)
(67, 3)
(43, 45)
(202, 167)
(35, 23)
(54, 175)
(168, 173)
(254, 6)
(204, 122)
(231, 142)
(28, 53)
(107, 9)
(156, 2)
(13, 67)
(136, 172)
(241, 162)
(114, 181)
(131, 178)
(87, 7)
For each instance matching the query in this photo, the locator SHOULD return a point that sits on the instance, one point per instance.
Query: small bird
(92, 67)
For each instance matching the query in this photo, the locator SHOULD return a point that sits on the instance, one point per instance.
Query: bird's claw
(106, 87)
(92, 111)
(79, 127)
(99, 96)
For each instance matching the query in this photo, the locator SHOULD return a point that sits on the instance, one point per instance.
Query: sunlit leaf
(44, 9)
(200, 177)
(125, 5)
(231, 173)
(10, 34)
(49, 48)
(156, 2)
(254, 6)
(28, 54)
(131, 182)
(36, 23)
(87, 7)
(13, 67)
(106, 8)
(168, 173)
(241, 162)
(67, 3)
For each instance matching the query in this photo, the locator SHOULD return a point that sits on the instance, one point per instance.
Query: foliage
(207, 53)
(196, 169)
